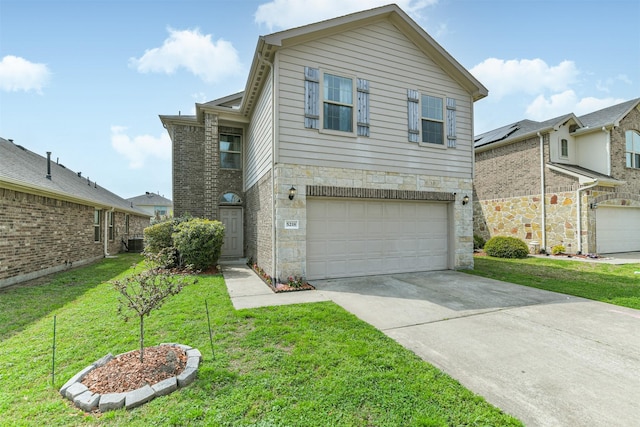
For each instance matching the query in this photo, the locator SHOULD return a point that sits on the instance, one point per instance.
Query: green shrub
(199, 242)
(557, 249)
(158, 236)
(506, 247)
(478, 242)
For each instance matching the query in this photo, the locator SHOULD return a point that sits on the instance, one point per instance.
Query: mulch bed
(125, 372)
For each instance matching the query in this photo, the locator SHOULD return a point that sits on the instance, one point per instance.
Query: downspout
(273, 167)
(604, 129)
(543, 197)
(579, 219)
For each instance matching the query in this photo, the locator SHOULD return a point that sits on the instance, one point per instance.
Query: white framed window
(632, 149)
(336, 103)
(97, 225)
(431, 119)
(110, 225)
(126, 224)
(230, 151)
(564, 148)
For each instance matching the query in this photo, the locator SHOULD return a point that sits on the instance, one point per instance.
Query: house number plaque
(291, 224)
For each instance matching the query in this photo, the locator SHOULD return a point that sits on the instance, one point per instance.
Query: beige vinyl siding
(259, 137)
(392, 64)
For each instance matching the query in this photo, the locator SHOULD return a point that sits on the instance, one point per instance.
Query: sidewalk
(247, 290)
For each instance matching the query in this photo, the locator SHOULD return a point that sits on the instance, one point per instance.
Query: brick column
(211, 165)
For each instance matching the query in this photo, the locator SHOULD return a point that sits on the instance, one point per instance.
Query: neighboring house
(571, 181)
(52, 218)
(155, 205)
(349, 152)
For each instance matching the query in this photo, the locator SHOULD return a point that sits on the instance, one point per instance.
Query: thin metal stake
(53, 360)
(213, 356)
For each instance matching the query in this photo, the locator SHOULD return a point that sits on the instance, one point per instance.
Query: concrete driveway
(547, 358)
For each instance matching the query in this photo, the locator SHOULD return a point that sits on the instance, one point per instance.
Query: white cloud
(18, 74)
(543, 108)
(531, 76)
(139, 148)
(209, 60)
(283, 14)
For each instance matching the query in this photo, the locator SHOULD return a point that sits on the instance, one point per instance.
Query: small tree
(145, 291)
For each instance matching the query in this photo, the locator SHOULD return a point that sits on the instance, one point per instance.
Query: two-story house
(350, 152)
(571, 181)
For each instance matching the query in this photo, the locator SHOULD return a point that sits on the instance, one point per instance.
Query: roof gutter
(16, 185)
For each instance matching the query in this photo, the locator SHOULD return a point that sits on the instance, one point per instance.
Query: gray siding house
(350, 152)
(52, 218)
(571, 181)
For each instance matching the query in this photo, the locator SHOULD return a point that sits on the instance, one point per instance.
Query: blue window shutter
(363, 107)
(413, 114)
(311, 97)
(451, 122)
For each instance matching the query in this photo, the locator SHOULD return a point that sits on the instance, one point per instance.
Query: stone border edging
(88, 401)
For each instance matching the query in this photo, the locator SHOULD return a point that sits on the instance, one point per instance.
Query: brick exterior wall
(42, 235)
(188, 170)
(198, 181)
(258, 223)
(619, 170)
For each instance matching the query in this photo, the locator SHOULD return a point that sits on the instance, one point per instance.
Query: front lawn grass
(613, 284)
(299, 365)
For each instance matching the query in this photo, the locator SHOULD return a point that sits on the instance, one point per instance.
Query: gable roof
(149, 199)
(607, 117)
(26, 171)
(268, 46)
(523, 129)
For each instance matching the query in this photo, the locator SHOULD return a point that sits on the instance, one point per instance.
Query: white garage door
(617, 229)
(348, 238)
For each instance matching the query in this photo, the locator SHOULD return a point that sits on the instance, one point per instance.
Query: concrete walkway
(548, 359)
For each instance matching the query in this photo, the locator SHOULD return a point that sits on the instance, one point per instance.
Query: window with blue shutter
(311, 97)
(363, 107)
(337, 102)
(451, 123)
(413, 114)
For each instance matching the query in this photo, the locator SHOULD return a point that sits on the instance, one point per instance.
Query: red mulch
(126, 373)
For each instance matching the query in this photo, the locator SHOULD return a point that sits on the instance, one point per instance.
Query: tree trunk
(141, 339)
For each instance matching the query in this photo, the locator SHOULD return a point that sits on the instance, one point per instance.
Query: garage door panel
(617, 229)
(347, 238)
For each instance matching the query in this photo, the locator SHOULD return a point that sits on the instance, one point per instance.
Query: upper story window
(432, 120)
(230, 151)
(338, 103)
(633, 148)
(564, 148)
(343, 101)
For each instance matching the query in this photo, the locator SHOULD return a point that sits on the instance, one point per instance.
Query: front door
(231, 218)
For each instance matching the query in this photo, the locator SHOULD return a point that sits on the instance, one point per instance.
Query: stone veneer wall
(42, 235)
(521, 217)
(291, 244)
(258, 224)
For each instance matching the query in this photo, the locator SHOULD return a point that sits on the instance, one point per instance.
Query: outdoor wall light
(465, 200)
(292, 192)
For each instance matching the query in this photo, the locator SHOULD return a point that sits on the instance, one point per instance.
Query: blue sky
(88, 79)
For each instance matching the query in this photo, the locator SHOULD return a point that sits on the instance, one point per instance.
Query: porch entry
(231, 218)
